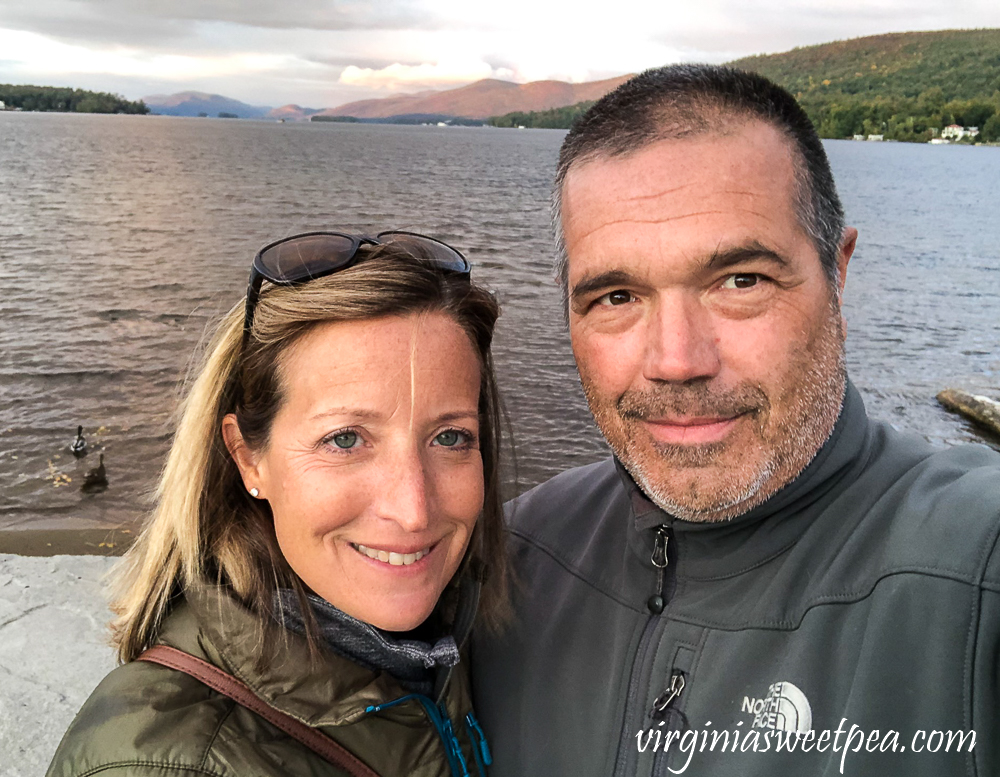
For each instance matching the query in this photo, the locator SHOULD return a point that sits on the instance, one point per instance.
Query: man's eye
(741, 281)
(345, 440)
(450, 438)
(617, 297)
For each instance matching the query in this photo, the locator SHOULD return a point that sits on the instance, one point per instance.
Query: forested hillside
(902, 85)
(56, 98)
(905, 86)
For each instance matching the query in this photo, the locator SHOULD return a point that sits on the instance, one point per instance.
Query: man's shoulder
(581, 493)
(945, 509)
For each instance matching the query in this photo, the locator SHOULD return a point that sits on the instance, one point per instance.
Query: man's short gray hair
(683, 100)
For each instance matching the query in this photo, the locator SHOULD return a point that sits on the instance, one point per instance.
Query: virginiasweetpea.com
(841, 740)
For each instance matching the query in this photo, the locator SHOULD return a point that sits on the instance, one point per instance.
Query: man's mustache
(691, 401)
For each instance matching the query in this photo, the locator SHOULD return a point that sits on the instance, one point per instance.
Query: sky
(324, 53)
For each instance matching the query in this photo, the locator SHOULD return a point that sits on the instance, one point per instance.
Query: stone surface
(53, 652)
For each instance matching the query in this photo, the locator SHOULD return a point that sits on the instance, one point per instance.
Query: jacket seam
(156, 764)
(930, 571)
(532, 541)
(789, 625)
(215, 735)
(973, 647)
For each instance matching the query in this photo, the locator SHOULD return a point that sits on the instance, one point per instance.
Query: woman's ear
(241, 453)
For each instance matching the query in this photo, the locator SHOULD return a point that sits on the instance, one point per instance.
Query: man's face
(708, 338)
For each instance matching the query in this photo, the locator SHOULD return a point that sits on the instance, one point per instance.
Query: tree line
(556, 118)
(912, 119)
(65, 99)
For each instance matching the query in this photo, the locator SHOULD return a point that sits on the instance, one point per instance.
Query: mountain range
(201, 103)
(479, 100)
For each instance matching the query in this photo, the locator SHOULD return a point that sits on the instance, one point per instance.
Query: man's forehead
(664, 166)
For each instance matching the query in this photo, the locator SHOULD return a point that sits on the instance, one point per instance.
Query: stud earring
(254, 492)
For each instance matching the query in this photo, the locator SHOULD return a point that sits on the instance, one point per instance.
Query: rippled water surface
(122, 238)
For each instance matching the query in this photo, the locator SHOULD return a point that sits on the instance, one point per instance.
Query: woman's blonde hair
(206, 527)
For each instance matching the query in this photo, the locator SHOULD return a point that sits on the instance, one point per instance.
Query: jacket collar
(326, 690)
(710, 550)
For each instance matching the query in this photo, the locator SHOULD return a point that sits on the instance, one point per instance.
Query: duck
(79, 445)
(96, 479)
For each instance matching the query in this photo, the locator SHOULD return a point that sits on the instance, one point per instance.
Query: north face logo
(784, 708)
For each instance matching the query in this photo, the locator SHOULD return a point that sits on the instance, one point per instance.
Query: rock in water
(982, 410)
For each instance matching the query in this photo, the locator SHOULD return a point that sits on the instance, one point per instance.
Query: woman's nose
(403, 494)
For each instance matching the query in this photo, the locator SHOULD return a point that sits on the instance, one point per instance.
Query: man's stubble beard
(812, 399)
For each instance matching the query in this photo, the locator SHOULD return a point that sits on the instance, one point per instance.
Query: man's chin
(694, 485)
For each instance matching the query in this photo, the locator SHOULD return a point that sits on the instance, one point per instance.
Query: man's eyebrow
(602, 280)
(753, 250)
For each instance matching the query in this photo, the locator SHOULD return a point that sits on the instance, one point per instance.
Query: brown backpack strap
(236, 690)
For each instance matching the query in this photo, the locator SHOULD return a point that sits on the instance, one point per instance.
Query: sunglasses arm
(253, 295)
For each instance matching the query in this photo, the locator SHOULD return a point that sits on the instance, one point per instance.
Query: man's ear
(241, 453)
(847, 245)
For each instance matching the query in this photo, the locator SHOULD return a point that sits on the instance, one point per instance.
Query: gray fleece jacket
(849, 625)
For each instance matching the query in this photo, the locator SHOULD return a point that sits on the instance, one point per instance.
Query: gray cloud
(164, 23)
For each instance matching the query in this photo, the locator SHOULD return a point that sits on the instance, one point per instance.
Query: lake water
(122, 238)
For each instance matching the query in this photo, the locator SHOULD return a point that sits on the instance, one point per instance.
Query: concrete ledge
(53, 652)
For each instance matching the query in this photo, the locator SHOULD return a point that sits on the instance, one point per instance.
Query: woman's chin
(397, 616)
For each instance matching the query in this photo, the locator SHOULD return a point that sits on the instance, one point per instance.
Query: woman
(328, 512)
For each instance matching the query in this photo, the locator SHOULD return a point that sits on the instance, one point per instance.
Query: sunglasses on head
(301, 258)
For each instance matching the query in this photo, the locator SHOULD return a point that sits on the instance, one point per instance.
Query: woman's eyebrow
(353, 412)
(457, 415)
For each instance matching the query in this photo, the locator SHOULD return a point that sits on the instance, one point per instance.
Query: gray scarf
(412, 662)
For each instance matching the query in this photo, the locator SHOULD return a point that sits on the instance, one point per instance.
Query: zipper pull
(655, 603)
(448, 734)
(479, 746)
(659, 558)
(669, 696)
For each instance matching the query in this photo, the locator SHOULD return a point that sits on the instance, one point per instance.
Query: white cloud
(425, 75)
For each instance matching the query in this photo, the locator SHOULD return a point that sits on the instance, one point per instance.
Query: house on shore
(957, 132)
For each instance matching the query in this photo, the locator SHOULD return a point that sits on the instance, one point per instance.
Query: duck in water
(95, 480)
(79, 445)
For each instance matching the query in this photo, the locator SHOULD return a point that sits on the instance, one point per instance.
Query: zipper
(670, 694)
(661, 544)
(442, 724)
(480, 749)
(655, 604)
(663, 706)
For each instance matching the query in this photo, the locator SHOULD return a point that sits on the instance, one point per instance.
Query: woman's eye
(450, 438)
(617, 297)
(345, 440)
(741, 281)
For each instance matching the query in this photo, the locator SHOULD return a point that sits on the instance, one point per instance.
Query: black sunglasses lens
(306, 257)
(427, 249)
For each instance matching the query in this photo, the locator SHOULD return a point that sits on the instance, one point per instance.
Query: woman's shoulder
(143, 719)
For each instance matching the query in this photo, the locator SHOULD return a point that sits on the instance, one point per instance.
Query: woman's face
(373, 470)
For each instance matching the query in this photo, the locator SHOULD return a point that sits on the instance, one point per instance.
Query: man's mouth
(391, 557)
(690, 430)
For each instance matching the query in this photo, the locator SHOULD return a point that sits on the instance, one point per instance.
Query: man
(763, 581)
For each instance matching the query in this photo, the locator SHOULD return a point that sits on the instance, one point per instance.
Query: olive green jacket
(145, 719)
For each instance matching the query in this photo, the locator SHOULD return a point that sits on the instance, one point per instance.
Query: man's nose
(681, 341)
(403, 494)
